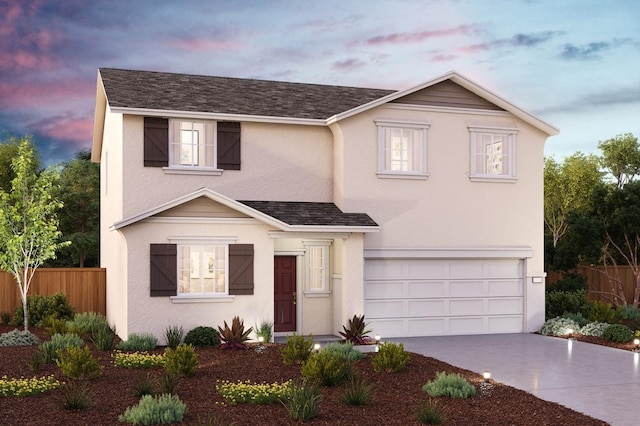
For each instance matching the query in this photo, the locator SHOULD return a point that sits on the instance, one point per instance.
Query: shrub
(35, 361)
(168, 382)
(570, 282)
(390, 358)
(252, 393)
(629, 315)
(603, 312)
(357, 392)
(144, 385)
(138, 360)
(617, 333)
(139, 342)
(265, 330)
(25, 387)
(594, 329)
(302, 401)
(345, 350)
(450, 385)
(104, 337)
(58, 342)
(54, 325)
(182, 360)
(559, 327)
(155, 410)
(40, 307)
(18, 338)
(577, 318)
(558, 303)
(355, 331)
(328, 368)
(202, 336)
(5, 317)
(431, 413)
(75, 396)
(234, 337)
(173, 336)
(87, 323)
(78, 363)
(297, 349)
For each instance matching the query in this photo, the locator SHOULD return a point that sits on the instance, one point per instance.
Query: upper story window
(402, 149)
(191, 146)
(493, 153)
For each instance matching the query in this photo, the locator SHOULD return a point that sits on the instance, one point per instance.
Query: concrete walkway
(599, 381)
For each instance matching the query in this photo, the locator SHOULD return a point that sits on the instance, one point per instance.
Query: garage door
(427, 297)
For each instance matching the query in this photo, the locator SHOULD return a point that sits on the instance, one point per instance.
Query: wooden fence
(86, 288)
(599, 282)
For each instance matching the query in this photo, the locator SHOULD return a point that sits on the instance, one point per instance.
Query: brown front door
(284, 279)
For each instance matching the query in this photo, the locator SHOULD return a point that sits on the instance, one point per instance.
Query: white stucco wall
(279, 162)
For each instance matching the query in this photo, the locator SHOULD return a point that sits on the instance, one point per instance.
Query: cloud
(204, 45)
(65, 127)
(620, 96)
(419, 36)
(17, 94)
(591, 51)
(517, 40)
(348, 64)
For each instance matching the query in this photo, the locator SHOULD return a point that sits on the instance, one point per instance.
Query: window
(202, 269)
(192, 144)
(402, 149)
(317, 266)
(493, 153)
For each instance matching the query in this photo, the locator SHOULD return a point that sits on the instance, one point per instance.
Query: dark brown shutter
(164, 270)
(228, 145)
(240, 269)
(156, 142)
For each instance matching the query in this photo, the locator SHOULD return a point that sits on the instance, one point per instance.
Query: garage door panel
(427, 308)
(385, 289)
(422, 297)
(424, 289)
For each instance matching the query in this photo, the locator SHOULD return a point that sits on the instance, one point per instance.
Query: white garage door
(427, 297)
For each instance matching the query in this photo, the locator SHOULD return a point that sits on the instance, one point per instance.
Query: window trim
(422, 129)
(325, 245)
(511, 134)
(202, 241)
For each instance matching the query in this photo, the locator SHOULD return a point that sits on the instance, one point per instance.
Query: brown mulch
(396, 396)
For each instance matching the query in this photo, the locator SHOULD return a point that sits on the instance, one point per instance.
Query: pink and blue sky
(573, 63)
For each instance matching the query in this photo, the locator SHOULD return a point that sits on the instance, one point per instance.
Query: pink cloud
(416, 37)
(443, 58)
(198, 45)
(37, 94)
(66, 127)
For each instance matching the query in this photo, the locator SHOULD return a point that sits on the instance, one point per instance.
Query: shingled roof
(310, 214)
(223, 95)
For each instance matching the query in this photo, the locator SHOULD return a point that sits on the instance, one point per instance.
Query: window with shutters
(202, 270)
(191, 146)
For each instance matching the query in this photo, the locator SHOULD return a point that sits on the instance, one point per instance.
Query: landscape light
(487, 375)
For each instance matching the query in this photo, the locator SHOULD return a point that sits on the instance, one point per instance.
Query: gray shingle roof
(223, 95)
(309, 213)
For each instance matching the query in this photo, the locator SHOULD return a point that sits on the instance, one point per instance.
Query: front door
(284, 297)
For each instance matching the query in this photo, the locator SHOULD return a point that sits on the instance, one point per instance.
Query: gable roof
(283, 215)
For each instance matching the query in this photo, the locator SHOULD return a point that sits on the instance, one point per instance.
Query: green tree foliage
(28, 221)
(8, 151)
(621, 157)
(567, 188)
(79, 217)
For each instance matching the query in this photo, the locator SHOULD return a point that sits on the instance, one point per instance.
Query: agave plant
(234, 337)
(355, 331)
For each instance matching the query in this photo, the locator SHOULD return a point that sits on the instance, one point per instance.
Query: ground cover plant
(395, 397)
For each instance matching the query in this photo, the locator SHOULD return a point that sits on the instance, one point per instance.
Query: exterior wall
(447, 210)
(113, 247)
(155, 314)
(348, 291)
(279, 163)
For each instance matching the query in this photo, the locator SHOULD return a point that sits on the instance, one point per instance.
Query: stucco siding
(279, 162)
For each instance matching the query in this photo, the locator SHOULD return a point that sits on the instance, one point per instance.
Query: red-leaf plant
(234, 337)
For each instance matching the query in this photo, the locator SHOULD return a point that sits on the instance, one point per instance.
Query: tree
(8, 151)
(80, 216)
(567, 188)
(28, 221)
(621, 157)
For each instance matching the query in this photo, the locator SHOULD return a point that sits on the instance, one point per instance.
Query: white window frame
(323, 247)
(420, 129)
(483, 154)
(190, 297)
(206, 150)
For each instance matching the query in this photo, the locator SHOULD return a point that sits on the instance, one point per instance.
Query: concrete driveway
(596, 380)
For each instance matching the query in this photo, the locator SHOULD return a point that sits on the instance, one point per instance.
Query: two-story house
(305, 204)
